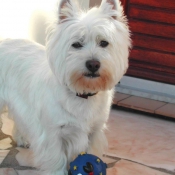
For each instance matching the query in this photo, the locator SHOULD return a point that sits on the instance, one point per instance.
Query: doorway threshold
(147, 89)
(147, 96)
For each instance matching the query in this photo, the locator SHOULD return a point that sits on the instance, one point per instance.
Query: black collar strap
(85, 96)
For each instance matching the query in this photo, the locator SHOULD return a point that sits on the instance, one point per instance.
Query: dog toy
(87, 164)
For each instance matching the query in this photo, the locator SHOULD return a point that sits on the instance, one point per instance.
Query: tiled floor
(142, 139)
(144, 104)
(138, 145)
(125, 167)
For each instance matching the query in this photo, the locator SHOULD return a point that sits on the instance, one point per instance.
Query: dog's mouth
(92, 75)
(85, 95)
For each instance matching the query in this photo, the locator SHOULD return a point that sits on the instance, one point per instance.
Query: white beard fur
(37, 85)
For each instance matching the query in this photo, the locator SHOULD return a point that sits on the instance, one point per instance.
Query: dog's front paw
(21, 142)
(25, 145)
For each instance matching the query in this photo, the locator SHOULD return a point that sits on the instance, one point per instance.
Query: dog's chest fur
(61, 105)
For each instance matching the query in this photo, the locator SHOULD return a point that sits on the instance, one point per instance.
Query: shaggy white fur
(42, 87)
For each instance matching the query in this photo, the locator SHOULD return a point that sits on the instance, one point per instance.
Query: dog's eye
(104, 43)
(77, 45)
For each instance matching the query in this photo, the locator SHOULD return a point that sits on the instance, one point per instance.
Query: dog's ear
(112, 8)
(67, 9)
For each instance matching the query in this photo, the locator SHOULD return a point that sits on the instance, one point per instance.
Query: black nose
(93, 65)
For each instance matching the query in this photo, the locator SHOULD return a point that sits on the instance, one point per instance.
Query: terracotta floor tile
(124, 167)
(3, 154)
(5, 143)
(108, 160)
(7, 124)
(24, 157)
(119, 96)
(137, 137)
(142, 104)
(7, 171)
(167, 110)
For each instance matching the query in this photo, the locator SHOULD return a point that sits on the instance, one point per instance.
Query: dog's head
(88, 51)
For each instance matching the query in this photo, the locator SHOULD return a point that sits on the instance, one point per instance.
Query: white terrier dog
(60, 96)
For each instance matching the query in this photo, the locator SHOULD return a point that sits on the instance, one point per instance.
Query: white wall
(27, 18)
(84, 3)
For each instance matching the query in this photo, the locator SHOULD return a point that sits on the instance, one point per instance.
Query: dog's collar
(85, 96)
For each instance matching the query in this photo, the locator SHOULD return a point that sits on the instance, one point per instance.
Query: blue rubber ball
(87, 164)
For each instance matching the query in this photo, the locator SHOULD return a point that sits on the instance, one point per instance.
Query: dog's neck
(85, 96)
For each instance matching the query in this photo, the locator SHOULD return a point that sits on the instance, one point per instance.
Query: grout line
(160, 107)
(124, 99)
(121, 99)
(158, 169)
(16, 172)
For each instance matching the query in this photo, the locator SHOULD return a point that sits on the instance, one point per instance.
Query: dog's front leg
(52, 164)
(49, 153)
(58, 172)
(19, 138)
(55, 152)
(97, 143)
